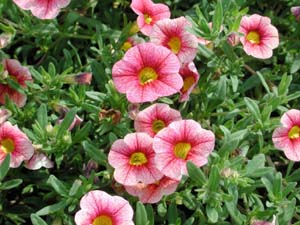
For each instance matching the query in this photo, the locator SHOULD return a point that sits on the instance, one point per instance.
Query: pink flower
(153, 193)
(260, 222)
(76, 122)
(20, 75)
(287, 137)
(133, 160)
(154, 118)
(233, 39)
(37, 161)
(149, 13)
(100, 208)
(147, 72)
(296, 12)
(180, 142)
(172, 34)
(43, 9)
(260, 36)
(190, 78)
(82, 78)
(14, 142)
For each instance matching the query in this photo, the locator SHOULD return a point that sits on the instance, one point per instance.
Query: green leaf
(263, 81)
(140, 214)
(214, 179)
(95, 154)
(296, 65)
(64, 126)
(11, 184)
(257, 162)
(277, 187)
(75, 187)
(284, 84)
(206, 52)
(253, 108)
(217, 18)
(57, 185)
(212, 214)
(52, 208)
(196, 174)
(36, 220)
(172, 214)
(150, 214)
(82, 133)
(42, 116)
(4, 167)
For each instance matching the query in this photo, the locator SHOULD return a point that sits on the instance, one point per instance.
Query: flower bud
(233, 39)
(296, 12)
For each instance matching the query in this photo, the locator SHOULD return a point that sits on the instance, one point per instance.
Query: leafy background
(239, 97)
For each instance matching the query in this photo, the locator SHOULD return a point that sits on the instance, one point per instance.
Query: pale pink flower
(14, 142)
(5, 39)
(296, 12)
(182, 141)
(287, 137)
(149, 13)
(43, 9)
(153, 193)
(147, 72)
(76, 122)
(173, 34)
(100, 208)
(260, 36)
(190, 78)
(19, 74)
(154, 118)
(37, 161)
(261, 222)
(133, 160)
(82, 78)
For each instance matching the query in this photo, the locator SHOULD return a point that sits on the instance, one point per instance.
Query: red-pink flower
(153, 193)
(149, 13)
(260, 36)
(190, 78)
(287, 137)
(14, 142)
(173, 34)
(100, 208)
(133, 160)
(4, 115)
(16, 72)
(180, 142)
(154, 118)
(296, 12)
(132, 41)
(147, 72)
(43, 9)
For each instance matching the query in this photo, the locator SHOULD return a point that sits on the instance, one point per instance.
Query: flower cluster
(164, 65)
(151, 162)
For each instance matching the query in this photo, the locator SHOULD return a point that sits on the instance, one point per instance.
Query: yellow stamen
(147, 75)
(253, 37)
(147, 19)
(187, 83)
(175, 44)
(181, 150)
(7, 145)
(294, 132)
(157, 125)
(103, 220)
(138, 159)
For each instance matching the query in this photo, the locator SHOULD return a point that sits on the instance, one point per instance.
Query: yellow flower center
(187, 83)
(147, 19)
(147, 75)
(174, 44)
(103, 220)
(157, 125)
(181, 150)
(7, 145)
(253, 37)
(294, 132)
(138, 159)
(127, 45)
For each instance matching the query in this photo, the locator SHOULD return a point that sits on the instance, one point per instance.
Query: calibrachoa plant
(149, 112)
